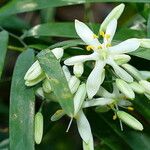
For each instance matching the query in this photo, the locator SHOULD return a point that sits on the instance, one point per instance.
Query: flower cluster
(126, 79)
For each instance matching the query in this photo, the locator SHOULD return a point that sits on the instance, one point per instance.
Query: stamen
(107, 36)
(108, 45)
(102, 34)
(100, 47)
(130, 108)
(114, 117)
(95, 36)
(89, 47)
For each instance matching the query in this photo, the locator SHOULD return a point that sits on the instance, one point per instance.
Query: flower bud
(136, 87)
(35, 81)
(145, 43)
(121, 59)
(146, 85)
(129, 120)
(34, 71)
(125, 88)
(57, 115)
(39, 92)
(78, 69)
(47, 86)
(79, 98)
(133, 71)
(114, 14)
(58, 52)
(74, 83)
(66, 72)
(38, 127)
(145, 75)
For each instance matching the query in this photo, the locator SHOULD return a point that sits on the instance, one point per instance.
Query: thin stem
(19, 49)
(69, 124)
(16, 37)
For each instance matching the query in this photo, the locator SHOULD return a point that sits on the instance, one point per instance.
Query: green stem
(18, 49)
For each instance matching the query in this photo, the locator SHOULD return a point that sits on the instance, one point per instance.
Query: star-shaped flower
(103, 53)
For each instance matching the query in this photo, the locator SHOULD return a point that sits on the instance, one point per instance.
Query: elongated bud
(66, 72)
(129, 120)
(58, 52)
(121, 59)
(35, 81)
(146, 85)
(39, 92)
(57, 115)
(79, 98)
(38, 128)
(125, 88)
(145, 43)
(136, 87)
(34, 71)
(133, 71)
(74, 84)
(78, 69)
(145, 75)
(47, 86)
(114, 14)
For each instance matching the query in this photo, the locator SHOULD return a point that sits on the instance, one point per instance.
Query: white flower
(103, 53)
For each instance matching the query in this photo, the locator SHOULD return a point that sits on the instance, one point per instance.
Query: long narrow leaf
(53, 70)
(22, 106)
(3, 49)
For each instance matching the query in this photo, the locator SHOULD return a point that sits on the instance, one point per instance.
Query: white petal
(79, 59)
(110, 30)
(95, 79)
(104, 93)
(125, 46)
(120, 72)
(89, 145)
(97, 102)
(79, 98)
(115, 13)
(83, 127)
(86, 34)
(66, 72)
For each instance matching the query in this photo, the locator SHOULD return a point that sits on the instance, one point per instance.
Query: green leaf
(17, 6)
(22, 106)
(53, 70)
(142, 53)
(3, 49)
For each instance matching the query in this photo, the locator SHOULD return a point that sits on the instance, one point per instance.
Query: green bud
(74, 83)
(145, 43)
(35, 81)
(102, 109)
(78, 69)
(79, 98)
(38, 127)
(136, 87)
(133, 71)
(121, 59)
(114, 14)
(146, 85)
(39, 92)
(57, 115)
(129, 120)
(58, 52)
(125, 88)
(33, 72)
(47, 86)
(66, 72)
(145, 75)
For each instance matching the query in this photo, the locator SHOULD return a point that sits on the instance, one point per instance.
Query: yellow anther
(107, 36)
(130, 108)
(102, 34)
(114, 117)
(89, 47)
(95, 36)
(108, 45)
(100, 47)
